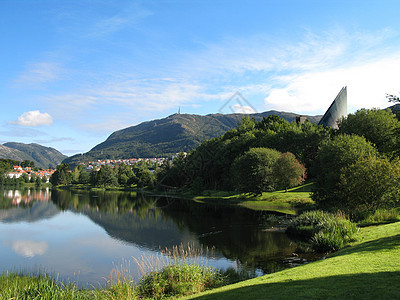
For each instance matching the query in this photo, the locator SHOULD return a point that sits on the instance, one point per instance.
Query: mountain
(168, 136)
(43, 157)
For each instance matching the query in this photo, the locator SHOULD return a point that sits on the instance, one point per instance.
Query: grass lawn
(280, 201)
(370, 269)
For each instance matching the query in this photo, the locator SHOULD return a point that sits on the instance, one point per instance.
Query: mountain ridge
(166, 136)
(43, 157)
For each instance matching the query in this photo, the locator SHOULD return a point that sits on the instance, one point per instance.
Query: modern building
(336, 111)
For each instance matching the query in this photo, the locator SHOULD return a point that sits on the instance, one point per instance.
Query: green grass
(370, 269)
(290, 202)
(178, 280)
(381, 216)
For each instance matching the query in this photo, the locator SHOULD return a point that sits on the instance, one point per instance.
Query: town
(45, 174)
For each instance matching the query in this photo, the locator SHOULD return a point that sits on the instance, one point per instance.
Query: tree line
(354, 168)
(140, 175)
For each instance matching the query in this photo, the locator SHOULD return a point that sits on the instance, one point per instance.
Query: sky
(74, 71)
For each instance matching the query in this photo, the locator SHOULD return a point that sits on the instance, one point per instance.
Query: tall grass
(174, 272)
(325, 232)
(180, 270)
(381, 216)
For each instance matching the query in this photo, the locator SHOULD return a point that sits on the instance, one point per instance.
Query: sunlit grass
(368, 270)
(279, 201)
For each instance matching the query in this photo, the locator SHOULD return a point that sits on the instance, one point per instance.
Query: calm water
(82, 236)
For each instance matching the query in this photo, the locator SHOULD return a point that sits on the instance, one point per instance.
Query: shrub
(324, 231)
(178, 280)
(332, 158)
(369, 184)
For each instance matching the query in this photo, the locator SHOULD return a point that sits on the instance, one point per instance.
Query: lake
(83, 235)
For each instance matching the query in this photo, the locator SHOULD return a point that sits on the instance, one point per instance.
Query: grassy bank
(370, 269)
(289, 202)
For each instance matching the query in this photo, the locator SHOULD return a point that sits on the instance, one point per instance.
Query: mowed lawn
(287, 202)
(370, 269)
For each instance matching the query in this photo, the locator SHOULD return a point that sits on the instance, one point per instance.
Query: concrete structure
(336, 111)
(301, 119)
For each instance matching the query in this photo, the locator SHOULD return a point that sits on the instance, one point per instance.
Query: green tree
(252, 171)
(106, 177)
(27, 164)
(369, 184)
(24, 178)
(333, 156)
(84, 177)
(38, 181)
(145, 178)
(379, 127)
(287, 171)
(76, 171)
(33, 178)
(61, 176)
(125, 175)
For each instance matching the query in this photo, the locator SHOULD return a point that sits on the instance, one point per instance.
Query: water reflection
(235, 233)
(71, 233)
(29, 248)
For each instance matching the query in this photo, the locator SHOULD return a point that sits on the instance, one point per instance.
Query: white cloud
(34, 118)
(29, 248)
(314, 91)
(243, 109)
(302, 75)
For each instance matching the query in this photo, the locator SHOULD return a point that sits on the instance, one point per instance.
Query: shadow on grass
(384, 285)
(386, 243)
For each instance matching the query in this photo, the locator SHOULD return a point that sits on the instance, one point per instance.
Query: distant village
(96, 165)
(18, 171)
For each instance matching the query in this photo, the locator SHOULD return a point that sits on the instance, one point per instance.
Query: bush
(324, 231)
(369, 184)
(332, 158)
(178, 280)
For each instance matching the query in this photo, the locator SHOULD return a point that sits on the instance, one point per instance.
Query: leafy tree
(125, 175)
(252, 171)
(84, 177)
(27, 164)
(33, 178)
(333, 156)
(76, 171)
(380, 127)
(38, 181)
(145, 178)
(61, 176)
(106, 177)
(24, 178)
(369, 184)
(287, 171)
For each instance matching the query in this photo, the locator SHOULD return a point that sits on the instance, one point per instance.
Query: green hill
(43, 157)
(170, 135)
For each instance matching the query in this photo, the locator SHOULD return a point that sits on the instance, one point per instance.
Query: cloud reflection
(29, 248)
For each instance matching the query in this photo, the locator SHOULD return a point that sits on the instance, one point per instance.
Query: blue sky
(72, 72)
